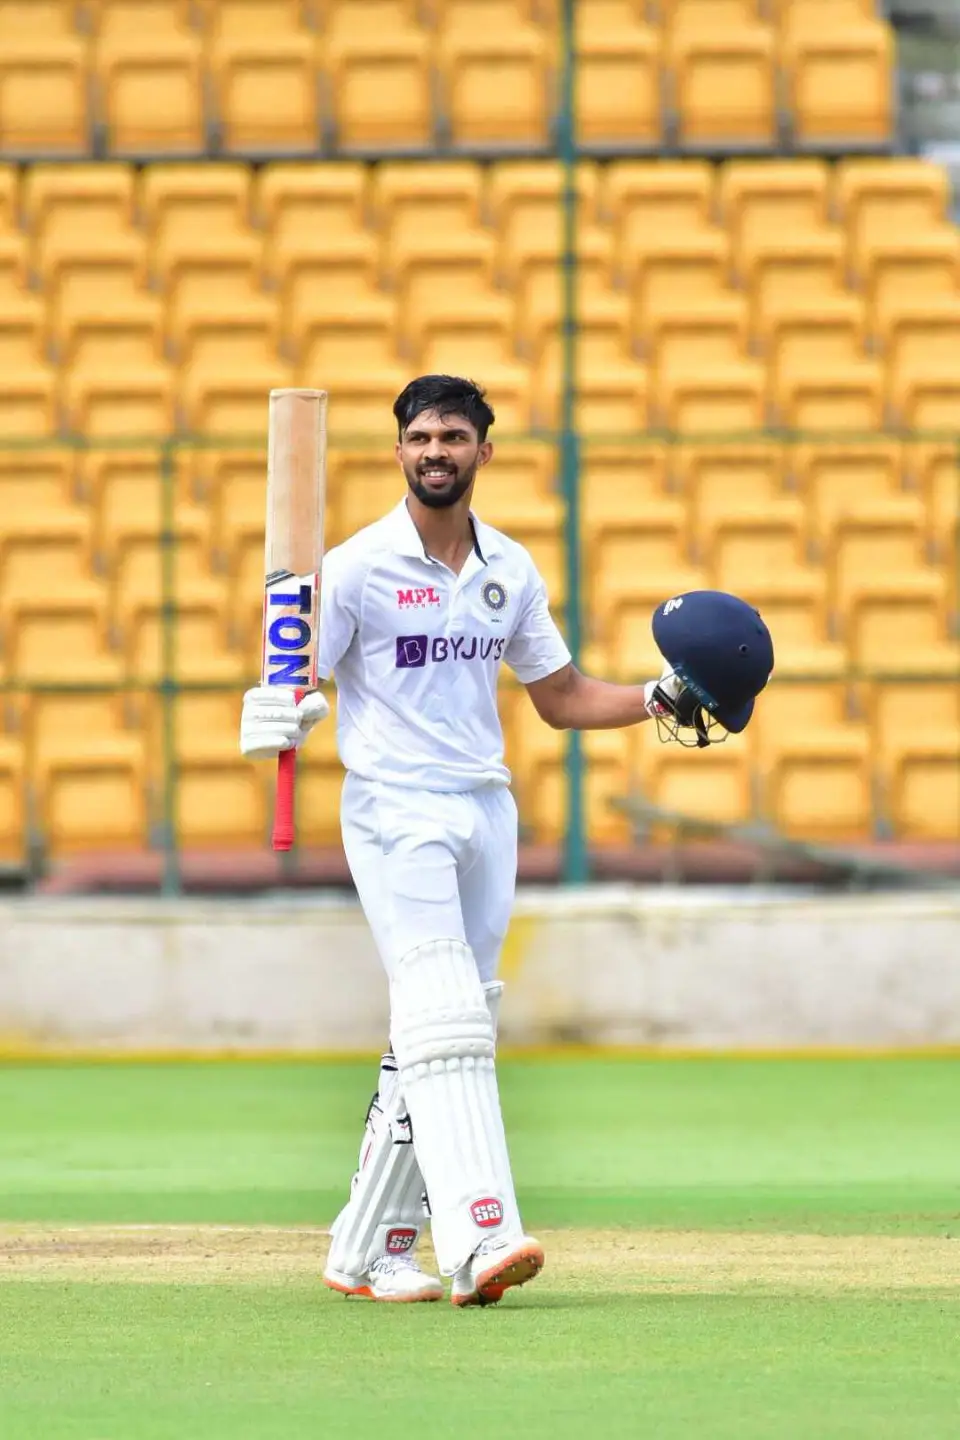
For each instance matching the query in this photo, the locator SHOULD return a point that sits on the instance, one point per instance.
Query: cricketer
(417, 614)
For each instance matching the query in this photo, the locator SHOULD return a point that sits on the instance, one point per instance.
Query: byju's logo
(417, 598)
(413, 651)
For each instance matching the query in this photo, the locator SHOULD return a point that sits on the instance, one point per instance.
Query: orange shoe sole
(521, 1265)
(363, 1292)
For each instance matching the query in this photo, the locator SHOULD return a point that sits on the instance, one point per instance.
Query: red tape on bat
(283, 811)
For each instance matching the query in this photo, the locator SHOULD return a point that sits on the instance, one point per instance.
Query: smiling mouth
(436, 477)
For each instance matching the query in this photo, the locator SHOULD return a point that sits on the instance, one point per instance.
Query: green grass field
(734, 1248)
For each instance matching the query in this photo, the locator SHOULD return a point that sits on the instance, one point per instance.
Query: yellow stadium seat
(840, 478)
(897, 271)
(923, 347)
(230, 487)
(482, 15)
(823, 332)
(902, 710)
(442, 257)
(618, 485)
(618, 87)
(44, 95)
(35, 485)
(537, 293)
(333, 344)
(705, 333)
(135, 496)
(698, 15)
(931, 404)
(139, 583)
(794, 607)
(752, 548)
(429, 193)
(646, 199)
(524, 197)
(13, 834)
(13, 266)
(251, 19)
(505, 502)
(222, 803)
(265, 89)
(925, 801)
(541, 784)
(140, 17)
(302, 201)
(366, 487)
(152, 88)
(709, 477)
(88, 199)
(725, 90)
(762, 201)
(361, 405)
(359, 19)
(380, 90)
(85, 277)
(723, 398)
(55, 642)
(20, 21)
(125, 335)
(840, 83)
(28, 403)
(902, 633)
(66, 556)
(211, 331)
(877, 199)
(840, 396)
(639, 555)
(610, 392)
(674, 272)
(495, 87)
(230, 402)
(133, 403)
(193, 200)
(789, 274)
(876, 555)
(91, 796)
(194, 649)
(476, 342)
(818, 787)
(821, 14)
(707, 785)
(934, 470)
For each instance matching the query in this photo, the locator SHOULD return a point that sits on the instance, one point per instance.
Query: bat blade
(293, 560)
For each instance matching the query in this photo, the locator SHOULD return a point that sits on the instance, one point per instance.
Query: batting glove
(669, 686)
(272, 720)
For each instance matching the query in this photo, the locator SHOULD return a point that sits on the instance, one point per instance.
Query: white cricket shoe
(390, 1277)
(495, 1266)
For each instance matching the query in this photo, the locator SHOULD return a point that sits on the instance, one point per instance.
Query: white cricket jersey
(416, 650)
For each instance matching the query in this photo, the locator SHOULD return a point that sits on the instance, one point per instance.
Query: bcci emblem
(493, 595)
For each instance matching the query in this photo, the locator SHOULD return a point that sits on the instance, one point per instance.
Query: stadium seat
(807, 341)
(925, 799)
(9, 197)
(230, 402)
(727, 478)
(197, 211)
(62, 203)
(722, 399)
(840, 478)
(19, 21)
(266, 93)
(839, 83)
(706, 333)
(132, 404)
(152, 88)
(656, 199)
(674, 273)
(495, 88)
(712, 785)
(763, 202)
(878, 554)
(818, 787)
(642, 553)
(44, 95)
(902, 711)
(55, 642)
(724, 78)
(138, 495)
(306, 201)
(751, 547)
(261, 20)
(13, 831)
(618, 87)
(359, 19)
(481, 15)
(890, 266)
(617, 483)
(934, 470)
(380, 90)
(902, 632)
(840, 396)
(877, 199)
(88, 779)
(21, 333)
(922, 347)
(28, 403)
(429, 193)
(791, 273)
(139, 584)
(139, 17)
(193, 650)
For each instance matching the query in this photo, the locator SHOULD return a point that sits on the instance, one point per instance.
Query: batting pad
(385, 1211)
(443, 1038)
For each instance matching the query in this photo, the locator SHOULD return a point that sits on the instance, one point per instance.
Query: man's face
(440, 456)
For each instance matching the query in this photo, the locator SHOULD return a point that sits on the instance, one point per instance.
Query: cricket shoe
(390, 1277)
(494, 1267)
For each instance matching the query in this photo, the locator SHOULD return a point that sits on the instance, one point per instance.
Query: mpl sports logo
(487, 1212)
(401, 1240)
(417, 598)
(289, 630)
(413, 651)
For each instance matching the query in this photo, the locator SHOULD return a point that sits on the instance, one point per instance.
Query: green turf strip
(850, 1146)
(113, 1362)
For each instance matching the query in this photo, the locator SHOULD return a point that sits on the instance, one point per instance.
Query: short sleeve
(536, 648)
(341, 585)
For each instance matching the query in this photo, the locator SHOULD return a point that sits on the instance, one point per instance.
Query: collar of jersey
(407, 537)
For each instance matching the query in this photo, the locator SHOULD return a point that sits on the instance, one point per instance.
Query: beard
(440, 497)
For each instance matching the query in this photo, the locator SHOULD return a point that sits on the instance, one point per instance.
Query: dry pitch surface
(624, 1261)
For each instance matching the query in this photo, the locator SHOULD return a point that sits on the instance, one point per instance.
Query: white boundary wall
(650, 967)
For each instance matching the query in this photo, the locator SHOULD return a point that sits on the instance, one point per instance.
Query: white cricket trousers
(430, 865)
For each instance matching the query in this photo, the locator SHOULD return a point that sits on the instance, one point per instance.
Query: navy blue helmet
(721, 652)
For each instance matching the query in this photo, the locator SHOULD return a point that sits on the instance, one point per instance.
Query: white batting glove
(671, 684)
(271, 720)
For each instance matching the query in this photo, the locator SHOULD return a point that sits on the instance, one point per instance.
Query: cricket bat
(293, 559)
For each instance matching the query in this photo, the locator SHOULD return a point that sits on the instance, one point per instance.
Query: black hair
(447, 395)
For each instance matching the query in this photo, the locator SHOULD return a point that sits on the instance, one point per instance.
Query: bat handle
(283, 806)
